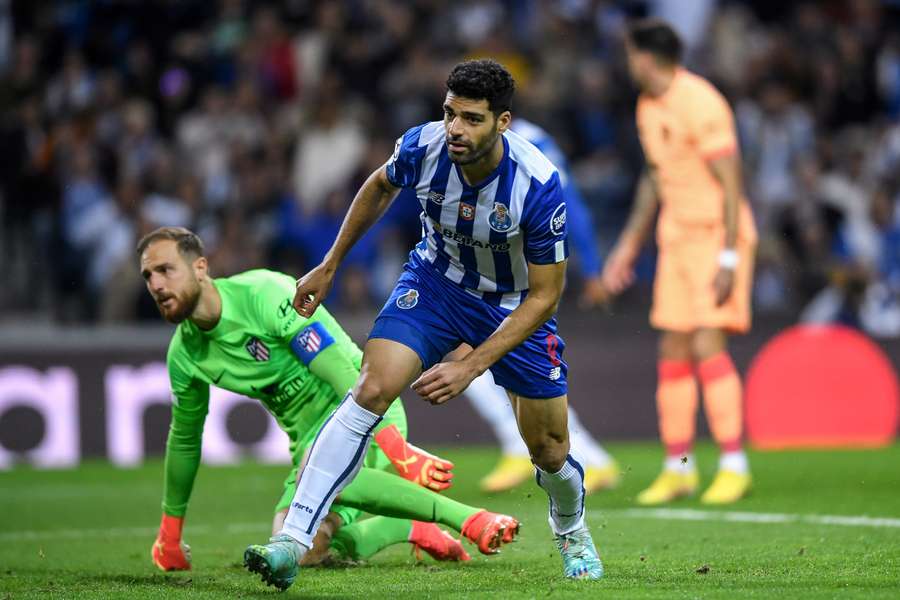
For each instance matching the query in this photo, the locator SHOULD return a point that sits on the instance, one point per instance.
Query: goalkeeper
(242, 334)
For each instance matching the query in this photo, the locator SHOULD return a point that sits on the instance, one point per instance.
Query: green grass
(87, 534)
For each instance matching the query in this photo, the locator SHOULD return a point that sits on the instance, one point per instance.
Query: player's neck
(209, 308)
(478, 171)
(660, 81)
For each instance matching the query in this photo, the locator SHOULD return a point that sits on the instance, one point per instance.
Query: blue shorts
(432, 315)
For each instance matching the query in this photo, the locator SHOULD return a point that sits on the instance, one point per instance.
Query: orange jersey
(680, 131)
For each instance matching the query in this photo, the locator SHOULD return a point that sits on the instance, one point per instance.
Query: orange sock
(676, 405)
(722, 400)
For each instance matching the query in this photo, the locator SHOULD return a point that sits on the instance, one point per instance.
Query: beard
(185, 304)
(476, 153)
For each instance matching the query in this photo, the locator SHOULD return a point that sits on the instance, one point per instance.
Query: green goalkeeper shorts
(375, 459)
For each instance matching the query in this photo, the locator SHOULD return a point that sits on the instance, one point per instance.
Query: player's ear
(201, 268)
(503, 121)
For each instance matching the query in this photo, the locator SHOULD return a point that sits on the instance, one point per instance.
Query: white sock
(734, 461)
(491, 402)
(584, 445)
(680, 464)
(566, 491)
(334, 460)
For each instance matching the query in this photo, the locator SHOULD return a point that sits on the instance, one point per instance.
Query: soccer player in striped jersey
(489, 273)
(491, 402)
(241, 334)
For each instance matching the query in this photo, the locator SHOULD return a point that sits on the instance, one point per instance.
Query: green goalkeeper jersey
(299, 368)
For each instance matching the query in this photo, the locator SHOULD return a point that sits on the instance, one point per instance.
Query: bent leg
(338, 451)
(543, 424)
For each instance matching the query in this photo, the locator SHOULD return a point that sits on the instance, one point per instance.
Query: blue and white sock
(334, 460)
(566, 491)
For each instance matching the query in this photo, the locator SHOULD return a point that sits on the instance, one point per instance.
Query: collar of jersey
(493, 174)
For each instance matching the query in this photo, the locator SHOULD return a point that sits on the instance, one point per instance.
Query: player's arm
(618, 273)
(447, 380)
(544, 226)
(716, 139)
(372, 199)
(727, 170)
(584, 240)
(313, 343)
(189, 409)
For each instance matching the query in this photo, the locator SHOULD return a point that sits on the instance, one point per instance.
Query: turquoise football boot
(275, 562)
(580, 559)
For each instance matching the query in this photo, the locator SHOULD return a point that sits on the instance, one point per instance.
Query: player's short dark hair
(657, 37)
(485, 78)
(189, 244)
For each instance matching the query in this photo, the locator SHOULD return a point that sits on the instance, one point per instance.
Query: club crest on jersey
(257, 349)
(499, 219)
(436, 197)
(558, 220)
(408, 300)
(466, 211)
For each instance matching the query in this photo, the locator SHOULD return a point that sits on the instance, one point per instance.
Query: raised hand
(312, 289)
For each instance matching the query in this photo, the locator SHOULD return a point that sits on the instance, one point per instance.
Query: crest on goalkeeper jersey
(257, 349)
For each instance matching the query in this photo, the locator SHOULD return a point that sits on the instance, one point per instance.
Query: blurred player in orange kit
(706, 240)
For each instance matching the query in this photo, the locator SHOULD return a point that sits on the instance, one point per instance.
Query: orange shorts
(683, 295)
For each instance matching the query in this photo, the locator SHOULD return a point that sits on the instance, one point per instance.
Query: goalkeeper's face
(172, 280)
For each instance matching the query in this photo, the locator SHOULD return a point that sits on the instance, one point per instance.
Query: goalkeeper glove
(169, 552)
(413, 463)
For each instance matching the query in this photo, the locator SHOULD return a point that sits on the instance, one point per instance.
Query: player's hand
(723, 285)
(312, 289)
(444, 381)
(412, 463)
(618, 273)
(169, 552)
(594, 293)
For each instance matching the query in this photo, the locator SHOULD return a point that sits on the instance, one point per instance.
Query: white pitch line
(664, 514)
(689, 514)
(119, 532)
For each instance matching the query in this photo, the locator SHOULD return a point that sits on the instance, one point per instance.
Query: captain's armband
(310, 341)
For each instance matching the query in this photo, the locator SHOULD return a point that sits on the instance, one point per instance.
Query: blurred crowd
(253, 123)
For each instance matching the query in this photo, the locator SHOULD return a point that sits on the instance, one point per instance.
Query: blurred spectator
(255, 123)
(329, 148)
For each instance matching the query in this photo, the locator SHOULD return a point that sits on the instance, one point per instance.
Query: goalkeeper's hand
(169, 552)
(413, 463)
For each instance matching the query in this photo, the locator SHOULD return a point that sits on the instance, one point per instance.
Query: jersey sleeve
(544, 222)
(315, 346)
(713, 126)
(405, 164)
(315, 341)
(190, 404)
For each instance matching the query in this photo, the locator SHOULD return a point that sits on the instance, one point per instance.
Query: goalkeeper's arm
(169, 552)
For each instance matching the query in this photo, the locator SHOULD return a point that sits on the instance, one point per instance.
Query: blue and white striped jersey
(483, 237)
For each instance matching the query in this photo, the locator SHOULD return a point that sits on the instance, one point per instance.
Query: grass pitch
(87, 534)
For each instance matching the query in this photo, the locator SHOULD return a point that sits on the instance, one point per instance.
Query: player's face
(471, 127)
(171, 280)
(638, 64)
